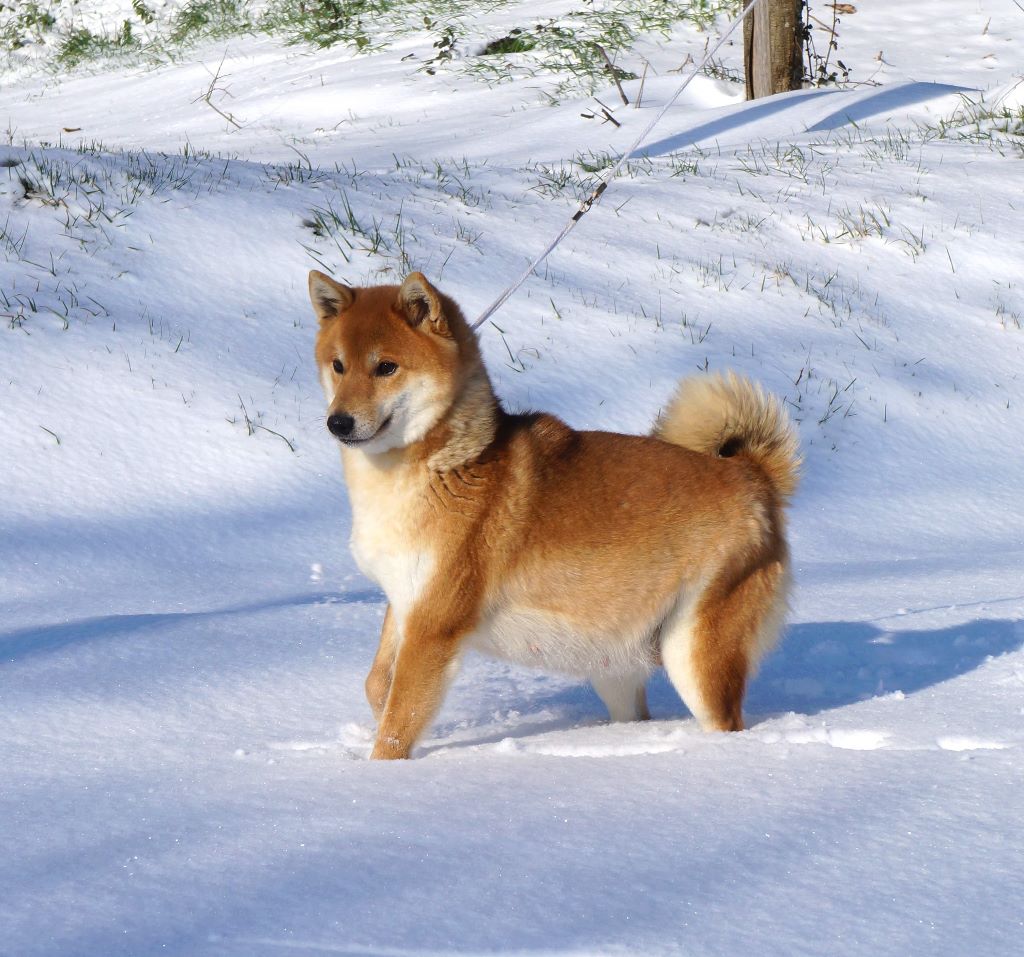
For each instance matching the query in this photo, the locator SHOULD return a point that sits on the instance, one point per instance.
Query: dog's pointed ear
(329, 298)
(420, 302)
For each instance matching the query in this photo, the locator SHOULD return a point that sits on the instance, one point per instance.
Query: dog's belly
(556, 643)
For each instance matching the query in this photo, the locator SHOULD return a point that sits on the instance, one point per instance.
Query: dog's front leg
(378, 681)
(423, 667)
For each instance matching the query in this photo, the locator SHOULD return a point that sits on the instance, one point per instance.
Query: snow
(183, 730)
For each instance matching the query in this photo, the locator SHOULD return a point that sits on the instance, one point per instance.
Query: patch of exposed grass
(589, 45)
(146, 34)
(201, 19)
(998, 124)
(24, 23)
(327, 23)
(578, 50)
(517, 41)
(79, 45)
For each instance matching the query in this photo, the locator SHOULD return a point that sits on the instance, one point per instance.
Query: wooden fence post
(773, 47)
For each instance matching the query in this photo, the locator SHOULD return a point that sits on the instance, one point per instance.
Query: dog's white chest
(401, 572)
(383, 519)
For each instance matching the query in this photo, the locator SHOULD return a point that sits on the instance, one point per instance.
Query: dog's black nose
(340, 425)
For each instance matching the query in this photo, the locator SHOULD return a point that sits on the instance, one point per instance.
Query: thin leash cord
(593, 198)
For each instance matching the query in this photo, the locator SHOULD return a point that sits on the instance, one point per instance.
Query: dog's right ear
(329, 298)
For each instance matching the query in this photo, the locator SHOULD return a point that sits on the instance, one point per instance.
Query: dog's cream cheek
(422, 407)
(327, 381)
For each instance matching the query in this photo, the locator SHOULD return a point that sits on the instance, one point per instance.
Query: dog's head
(390, 359)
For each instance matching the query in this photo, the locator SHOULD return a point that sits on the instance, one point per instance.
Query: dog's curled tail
(727, 415)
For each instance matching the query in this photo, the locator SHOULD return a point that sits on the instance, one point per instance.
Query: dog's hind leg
(711, 686)
(625, 696)
(711, 643)
(678, 640)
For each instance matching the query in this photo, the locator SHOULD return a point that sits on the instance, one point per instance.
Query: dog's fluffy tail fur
(728, 415)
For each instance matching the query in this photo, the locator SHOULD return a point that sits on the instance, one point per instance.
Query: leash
(595, 196)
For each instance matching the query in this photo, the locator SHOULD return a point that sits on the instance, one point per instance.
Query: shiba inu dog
(590, 553)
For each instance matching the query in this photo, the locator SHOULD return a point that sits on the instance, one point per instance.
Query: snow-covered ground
(183, 732)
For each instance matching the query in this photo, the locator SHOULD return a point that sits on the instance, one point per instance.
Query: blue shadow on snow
(883, 101)
(759, 110)
(821, 666)
(863, 107)
(825, 665)
(817, 667)
(26, 642)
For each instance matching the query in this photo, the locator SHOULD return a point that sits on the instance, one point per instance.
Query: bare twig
(207, 97)
(643, 80)
(614, 75)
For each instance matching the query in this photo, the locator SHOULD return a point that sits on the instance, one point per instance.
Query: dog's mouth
(351, 440)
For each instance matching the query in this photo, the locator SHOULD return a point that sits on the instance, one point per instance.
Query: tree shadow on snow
(857, 106)
(735, 119)
(882, 101)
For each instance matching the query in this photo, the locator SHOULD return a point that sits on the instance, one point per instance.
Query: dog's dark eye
(338, 366)
(387, 368)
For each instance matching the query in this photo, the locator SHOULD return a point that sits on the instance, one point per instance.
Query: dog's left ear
(420, 302)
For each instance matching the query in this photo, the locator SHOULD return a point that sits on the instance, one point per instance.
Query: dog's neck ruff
(469, 427)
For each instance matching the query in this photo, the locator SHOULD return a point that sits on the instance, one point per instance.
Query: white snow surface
(183, 732)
